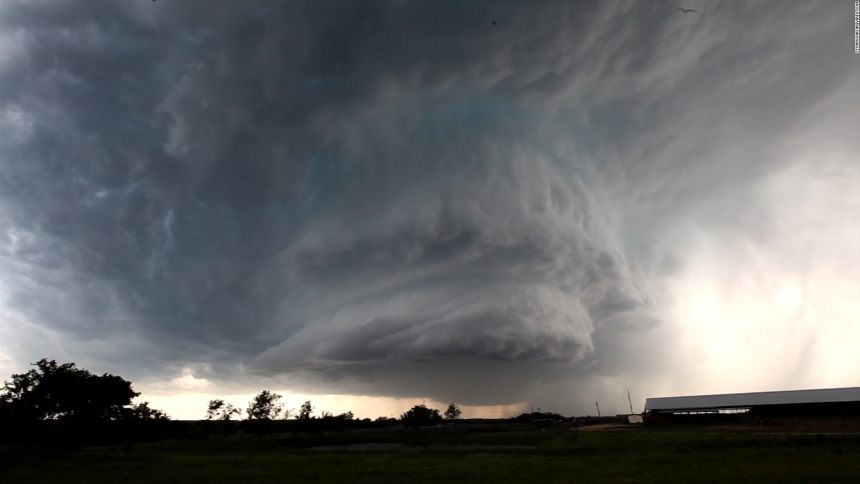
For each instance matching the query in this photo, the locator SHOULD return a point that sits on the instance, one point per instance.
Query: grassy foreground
(559, 456)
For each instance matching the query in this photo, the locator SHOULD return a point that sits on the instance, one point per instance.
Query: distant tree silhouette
(341, 421)
(264, 406)
(309, 424)
(383, 421)
(219, 410)
(528, 417)
(262, 410)
(453, 412)
(346, 416)
(142, 411)
(65, 392)
(306, 411)
(420, 416)
(286, 413)
(139, 422)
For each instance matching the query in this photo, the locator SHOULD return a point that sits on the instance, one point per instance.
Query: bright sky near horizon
(373, 204)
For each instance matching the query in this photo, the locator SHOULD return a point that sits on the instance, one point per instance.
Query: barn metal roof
(735, 400)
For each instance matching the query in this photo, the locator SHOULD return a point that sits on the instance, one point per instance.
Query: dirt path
(592, 428)
(384, 446)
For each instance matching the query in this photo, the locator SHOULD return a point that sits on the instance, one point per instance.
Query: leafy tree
(262, 411)
(219, 410)
(528, 417)
(346, 416)
(139, 422)
(383, 421)
(420, 416)
(453, 412)
(309, 424)
(306, 411)
(341, 421)
(142, 411)
(64, 392)
(264, 406)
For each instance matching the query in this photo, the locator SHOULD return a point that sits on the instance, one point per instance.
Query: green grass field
(559, 456)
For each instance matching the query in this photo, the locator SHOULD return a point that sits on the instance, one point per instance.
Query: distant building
(828, 402)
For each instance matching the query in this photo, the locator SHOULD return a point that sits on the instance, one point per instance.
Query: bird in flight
(687, 10)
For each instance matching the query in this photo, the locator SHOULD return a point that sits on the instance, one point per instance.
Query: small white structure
(635, 419)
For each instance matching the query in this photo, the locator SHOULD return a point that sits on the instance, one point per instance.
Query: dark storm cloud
(370, 191)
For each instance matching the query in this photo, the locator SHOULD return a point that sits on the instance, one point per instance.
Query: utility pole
(598, 409)
(630, 402)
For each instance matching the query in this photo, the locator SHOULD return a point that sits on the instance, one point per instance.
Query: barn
(827, 402)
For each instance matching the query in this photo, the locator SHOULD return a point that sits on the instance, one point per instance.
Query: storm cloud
(441, 199)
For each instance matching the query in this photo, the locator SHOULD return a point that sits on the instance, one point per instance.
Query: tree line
(266, 406)
(54, 396)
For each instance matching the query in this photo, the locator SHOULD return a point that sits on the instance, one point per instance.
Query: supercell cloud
(451, 200)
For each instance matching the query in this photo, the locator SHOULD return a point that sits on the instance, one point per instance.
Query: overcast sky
(372, 203)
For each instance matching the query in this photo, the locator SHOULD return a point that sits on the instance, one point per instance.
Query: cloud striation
(452, 200)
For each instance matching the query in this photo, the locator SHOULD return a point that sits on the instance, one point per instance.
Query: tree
(261, 412)
(346, 416)
(341, 421)
(64, 392)
(264, 406)
(219, 410)
(306, 411)
(309, 424)
(142, 411)
(453, 412)
(420, 416)
(528, 417)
